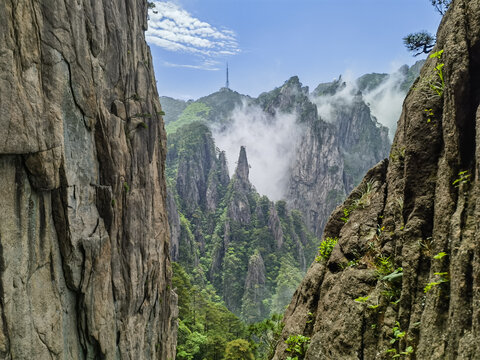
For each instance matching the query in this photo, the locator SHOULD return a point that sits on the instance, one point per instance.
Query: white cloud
(386, 101)
(205, 65)
(174, 29)
(270, 144)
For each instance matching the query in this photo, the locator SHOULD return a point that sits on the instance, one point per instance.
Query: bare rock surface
(404, 276)
(84, 252)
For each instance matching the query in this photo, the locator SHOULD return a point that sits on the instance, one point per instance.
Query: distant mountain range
(337, 137)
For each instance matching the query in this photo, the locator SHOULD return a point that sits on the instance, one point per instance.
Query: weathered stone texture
(84, 253)
(409, 209)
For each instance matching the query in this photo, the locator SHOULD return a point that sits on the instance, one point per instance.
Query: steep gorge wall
(409, 252)
(84, 254)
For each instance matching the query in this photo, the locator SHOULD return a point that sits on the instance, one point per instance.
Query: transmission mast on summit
(227, 84)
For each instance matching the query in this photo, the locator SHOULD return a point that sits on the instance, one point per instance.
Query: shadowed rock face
(84, 250)
(410, 244)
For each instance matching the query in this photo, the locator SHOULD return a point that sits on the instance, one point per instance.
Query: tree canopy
(420, 42)
(441, 5)
(238, 349)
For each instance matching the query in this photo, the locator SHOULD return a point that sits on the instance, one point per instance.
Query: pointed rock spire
(242, 166)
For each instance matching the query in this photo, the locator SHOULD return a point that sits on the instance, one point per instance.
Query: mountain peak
(294, 80)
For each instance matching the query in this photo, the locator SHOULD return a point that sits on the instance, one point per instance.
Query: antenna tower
(227, 84)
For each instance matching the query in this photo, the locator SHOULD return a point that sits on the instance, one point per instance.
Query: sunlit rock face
(85, 270)
(403, 278)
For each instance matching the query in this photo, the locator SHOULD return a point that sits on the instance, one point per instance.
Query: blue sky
(267, 41)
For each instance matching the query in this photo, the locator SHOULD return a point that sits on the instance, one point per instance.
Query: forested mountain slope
(252, 250)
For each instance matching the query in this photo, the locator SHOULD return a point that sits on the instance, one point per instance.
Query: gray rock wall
(84, 250)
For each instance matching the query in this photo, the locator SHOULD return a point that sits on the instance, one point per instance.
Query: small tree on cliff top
(441, 5)
(422, 42)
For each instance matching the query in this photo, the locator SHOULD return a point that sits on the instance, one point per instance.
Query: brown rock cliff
(84, 253)
(409, 253)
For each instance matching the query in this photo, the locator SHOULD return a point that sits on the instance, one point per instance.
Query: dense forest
(238, 255)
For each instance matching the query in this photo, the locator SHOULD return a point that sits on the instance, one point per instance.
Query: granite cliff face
(330, 157)
(84, 253)
(404, 277)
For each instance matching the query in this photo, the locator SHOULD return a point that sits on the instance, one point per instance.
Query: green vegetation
(440, 255)
(395, 338)
(171, 108)
(441, 5)
(430, 115)
(238, 350)
(369, 82)
(325, 249)
(289, 276)
(362, 299)
(142, 115)
(245, 268)
(396, 274)
(297, 346)
(422, 42)
(391, 278)
(463, 178)
(346, 214)
(397, 154)
(205, 324)
(397, 335)
(361, 200)
(439, 84)
(214, 108)
(194, 112)
(440, 277)
(384, 266)
(265, 336)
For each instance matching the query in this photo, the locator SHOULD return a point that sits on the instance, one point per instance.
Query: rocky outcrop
(197, 173)
(239, 204)
(253, 308)
(363, 141)
(331, 157)
(175, 226)
(275, 226)
(316, 177)
(85, 270)
(217, 182)
(403, 278)
(194, 168)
